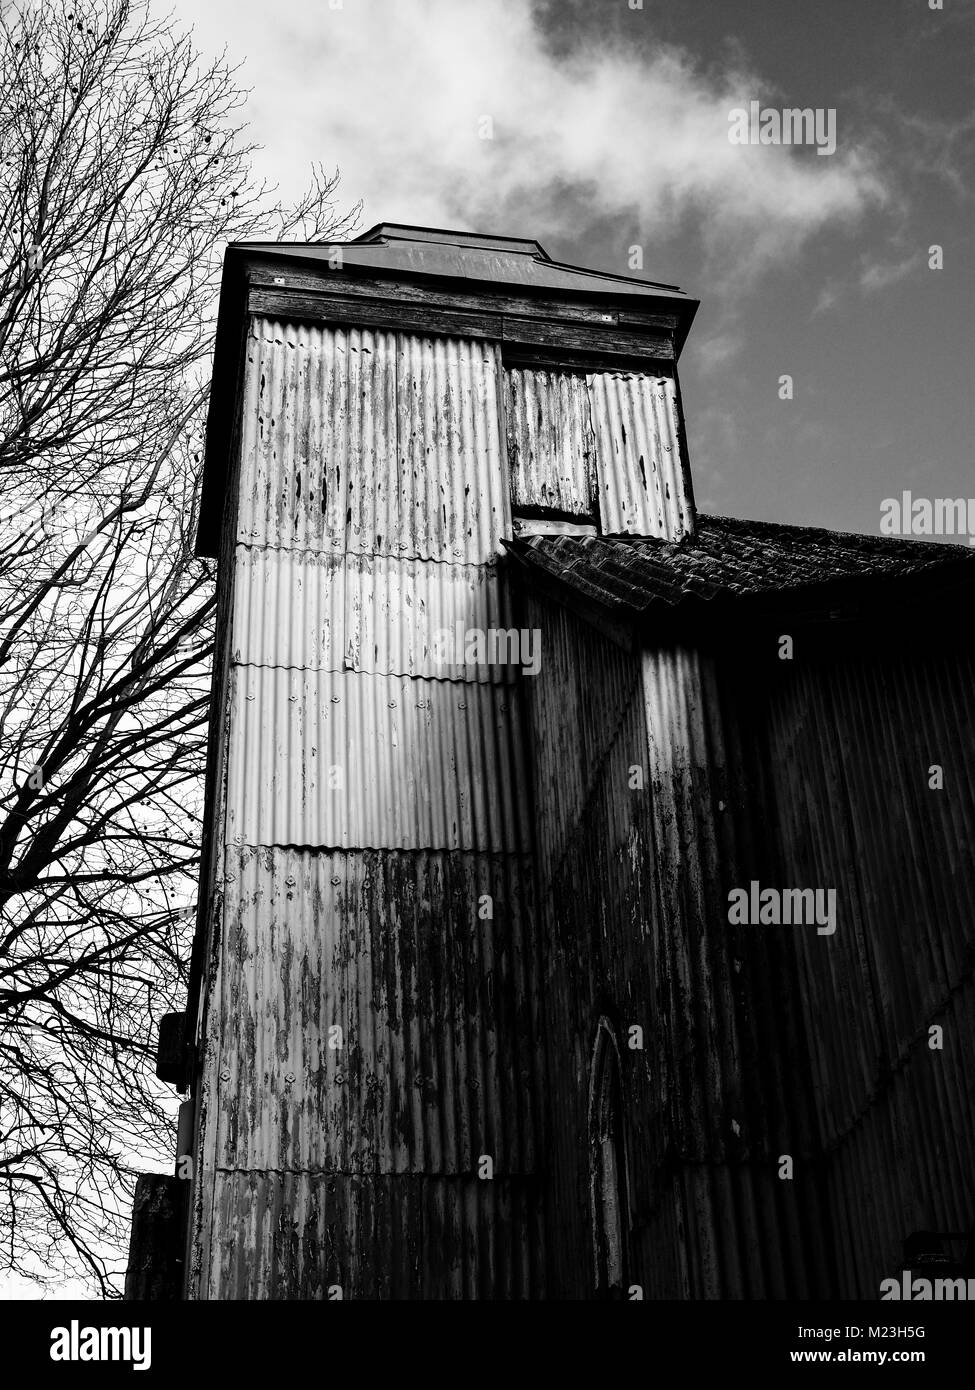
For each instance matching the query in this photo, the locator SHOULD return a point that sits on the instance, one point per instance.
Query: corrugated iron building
(468, 1015)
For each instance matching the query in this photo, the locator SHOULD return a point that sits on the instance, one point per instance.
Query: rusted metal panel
(551, 447)
(606, 441)
(631, 891)
(850, 746)
(578, 699)
(371, 442)
(373, 613)
(643, 474)
(378, 1014)
(331, 1236)
(735, 1061)
(343, 759)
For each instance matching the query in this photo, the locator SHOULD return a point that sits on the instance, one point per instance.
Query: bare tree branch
(124, 171)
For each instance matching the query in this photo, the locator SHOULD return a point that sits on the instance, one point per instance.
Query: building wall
(850, 743)
(371, 842)
(644, 806)
(372, 883)
(470, 879)
(759, 1042)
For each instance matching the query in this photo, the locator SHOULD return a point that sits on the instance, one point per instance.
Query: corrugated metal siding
(602, 441)
(850, 746)
(372, 1236)
(372, 443)
(372, 502)
(632, 901)
(436, 1066)
(737, 1081)
(362, 613)
(551, 446)
(578, 700)
(643, 475)
(355, 761)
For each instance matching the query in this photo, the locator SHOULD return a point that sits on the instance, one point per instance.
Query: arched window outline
(607, 1165)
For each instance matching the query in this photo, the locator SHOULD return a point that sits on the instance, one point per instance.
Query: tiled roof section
(732, 559)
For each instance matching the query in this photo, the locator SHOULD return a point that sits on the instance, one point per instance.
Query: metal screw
(336, 879)
(225, 1075)
(289, 1076)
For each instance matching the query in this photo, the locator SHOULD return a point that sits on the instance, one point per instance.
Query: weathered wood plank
(334, 283)
(418, 318)
(585, 338)
(155, 1266)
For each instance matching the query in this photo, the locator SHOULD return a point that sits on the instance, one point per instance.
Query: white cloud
(393, 92)
(879, 275)
(716, 349)
(874, 275)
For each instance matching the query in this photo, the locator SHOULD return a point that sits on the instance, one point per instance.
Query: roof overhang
(732, 575)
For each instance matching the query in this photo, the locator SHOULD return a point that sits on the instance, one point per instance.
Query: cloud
(462, 115)
(716, 349)
(879, 275)
(874, 275)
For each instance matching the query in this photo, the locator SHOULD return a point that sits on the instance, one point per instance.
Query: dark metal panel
(631, 870)
(421, 962)
(330, 1236)
(850, 745)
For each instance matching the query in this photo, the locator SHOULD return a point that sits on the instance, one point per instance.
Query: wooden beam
(335, 283)
(569, 336)
(288, 305)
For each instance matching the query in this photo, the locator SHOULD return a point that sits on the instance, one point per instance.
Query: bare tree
(124, 172)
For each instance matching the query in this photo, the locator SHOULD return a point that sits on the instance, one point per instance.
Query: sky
(609, 126)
